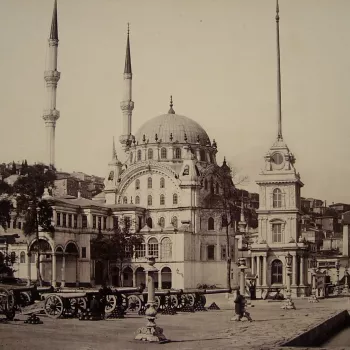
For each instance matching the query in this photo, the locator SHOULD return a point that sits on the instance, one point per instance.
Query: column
(294, 272)
(265, 270)
(42, 266)
(159, 279)
(302, 271)
(134, 279)
(63, 271)
(53, 270)
(258, 271)
(253, 265)
(77, 270)
(29, 269)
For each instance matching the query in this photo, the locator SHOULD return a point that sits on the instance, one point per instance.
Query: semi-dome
(172, 127)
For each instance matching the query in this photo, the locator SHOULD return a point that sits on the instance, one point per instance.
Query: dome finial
(171, 111)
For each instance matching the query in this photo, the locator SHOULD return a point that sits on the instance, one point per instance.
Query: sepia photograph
(173, 174)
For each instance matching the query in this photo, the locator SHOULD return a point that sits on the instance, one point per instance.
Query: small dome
(182, 129)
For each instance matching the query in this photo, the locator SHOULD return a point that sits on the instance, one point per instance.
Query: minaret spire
(279, 107)
(51, 76)
(127, 105)
(114, 152)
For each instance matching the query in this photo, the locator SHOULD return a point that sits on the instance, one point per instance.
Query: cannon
(71, 302)
(15, 294)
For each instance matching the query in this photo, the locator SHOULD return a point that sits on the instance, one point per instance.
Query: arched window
(161, 222)
(162, 182)
(162, 199)
(174, 221)
(119, 199)
(175, 198)
(125, 200)
(150, 153)
(211, 184)
(149, 222)
(22, 258)
(205, 184)
(177, 153)
(163, 153)
(149, 200)
(149, 182)
(139, 154)
(210, 224)
(137, 184)
(166, 248)
(153, 247)
(137, 200)
(217, 188)
(202, 155)
(277, 198)
(276, 272)
(131, 156)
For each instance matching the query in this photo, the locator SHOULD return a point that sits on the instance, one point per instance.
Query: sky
(216, 57)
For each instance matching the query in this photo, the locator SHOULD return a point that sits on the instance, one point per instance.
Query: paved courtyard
(200, 330)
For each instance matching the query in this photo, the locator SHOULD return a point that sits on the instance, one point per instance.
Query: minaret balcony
(51, 114)
(127, 105)
(52, 76)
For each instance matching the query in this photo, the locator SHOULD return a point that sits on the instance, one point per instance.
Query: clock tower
(279, 214)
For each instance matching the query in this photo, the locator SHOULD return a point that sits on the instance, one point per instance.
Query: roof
(346, 218)
(337, 204)
(10, 180)
(172, 127)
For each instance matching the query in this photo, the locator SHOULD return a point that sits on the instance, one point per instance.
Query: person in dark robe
(252, 290)
(95, 308)
(240, 307)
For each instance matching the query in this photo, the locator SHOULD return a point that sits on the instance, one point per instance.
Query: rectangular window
(93, 221)
(14, 224)
(140, 250)
(211, 252)
(84, 221)
(70, 220)
(58, 223)
(115, 222)
(100, 223)
(64, 220)
(105, 223)
(19, 225)
(75, 221)
(277, 233)
(83, 252)
(223, 252)
(127, 252)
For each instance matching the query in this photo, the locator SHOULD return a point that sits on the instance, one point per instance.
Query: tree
(227, 177)
(118, 246)
(29, 190)
(13, 169)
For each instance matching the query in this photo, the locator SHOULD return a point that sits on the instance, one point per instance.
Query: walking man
(240, 308)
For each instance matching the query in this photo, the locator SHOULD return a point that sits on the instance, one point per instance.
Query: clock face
(277, 158)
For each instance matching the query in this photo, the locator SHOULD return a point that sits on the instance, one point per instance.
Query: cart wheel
(53, 306)
(111, 303)
(190, 299)
(157, 300)
(135, 303)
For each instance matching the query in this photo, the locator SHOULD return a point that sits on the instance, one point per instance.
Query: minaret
(279, 106)
(242, 223)
(52, 76)
(127, 105)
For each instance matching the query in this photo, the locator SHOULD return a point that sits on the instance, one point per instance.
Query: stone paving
(200, 330)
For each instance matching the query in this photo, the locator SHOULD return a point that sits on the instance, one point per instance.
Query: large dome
(171, 123)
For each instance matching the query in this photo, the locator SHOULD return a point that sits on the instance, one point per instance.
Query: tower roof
(127, 68)
(54, 26)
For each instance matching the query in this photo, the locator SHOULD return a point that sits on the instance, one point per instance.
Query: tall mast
(279, 107)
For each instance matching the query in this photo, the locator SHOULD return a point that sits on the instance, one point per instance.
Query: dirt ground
(199, 330)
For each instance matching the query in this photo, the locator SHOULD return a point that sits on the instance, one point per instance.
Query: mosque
(168, 186)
